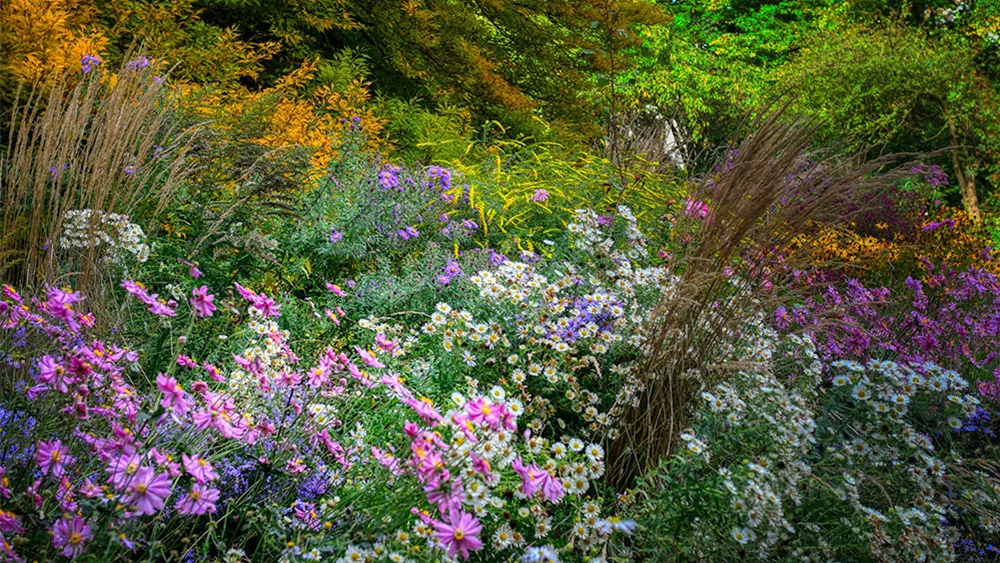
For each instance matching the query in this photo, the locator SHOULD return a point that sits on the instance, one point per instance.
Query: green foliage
(503, 61)
(708, 67)
(423, 135)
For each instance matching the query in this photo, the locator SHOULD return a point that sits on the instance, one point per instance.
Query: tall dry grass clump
(104, 141)
(761, 197)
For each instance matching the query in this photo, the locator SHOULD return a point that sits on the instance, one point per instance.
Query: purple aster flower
(136, 64)
(89, 62)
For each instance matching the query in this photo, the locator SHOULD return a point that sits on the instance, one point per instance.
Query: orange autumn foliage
(948, 235)
(41, 37)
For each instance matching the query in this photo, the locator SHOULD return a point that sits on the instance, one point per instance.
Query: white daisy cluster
(592, 234)
(267, 348)
(553, 330)
(92, 228)
(846, 457)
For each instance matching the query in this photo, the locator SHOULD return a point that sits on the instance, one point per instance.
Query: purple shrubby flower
(470, 226)
(451, 270)
(89, 62)
(136, 64)
(496, 258)
(540, 195)
(932, 174)
(388, 178)
(336, 235)
(441, 176)
(408, 233)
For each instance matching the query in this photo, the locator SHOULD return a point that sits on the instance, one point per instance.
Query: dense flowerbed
(362, 370)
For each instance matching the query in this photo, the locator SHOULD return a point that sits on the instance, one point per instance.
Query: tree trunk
(966, 182)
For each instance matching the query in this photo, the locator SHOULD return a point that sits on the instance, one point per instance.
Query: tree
(903, 88)
(710, 65)
(503, 59)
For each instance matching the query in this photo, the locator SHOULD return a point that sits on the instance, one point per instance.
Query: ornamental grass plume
(739, 226)
(100, 141)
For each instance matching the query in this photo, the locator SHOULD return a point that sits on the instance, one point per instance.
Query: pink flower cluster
(263, 304)
(153, 302)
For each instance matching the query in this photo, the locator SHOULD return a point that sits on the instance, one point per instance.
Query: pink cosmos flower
(147, 491)
(70, 535)
(201, 302)
(458, 534)
(528, 483)
(384, 343)
(218, 415)
(123, 468)
(193, 270)
(254, 366)
(481, 466)
(199, 501)
(52, 374)
(425, 409)
(245, 293)
(368, 357)
(174, 396)
(394, 383)
(411, 429)
(213, 372)
(335, 289)
(333, 446)
(268, 307)
(507, 419)
(333, 317)
(388, 460)
(534, 478)
(540, 195)
(289, 378)
(165, 461)
(11, 293)
(481, 412)
(186, 361)
(52, 456)
(318, 376)
(59, 304)
(552, 486)
(10, 524)
(199, 468)
(356, 373)
(152, 302)
(462, 422)
(295, 466)
(443, 499)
